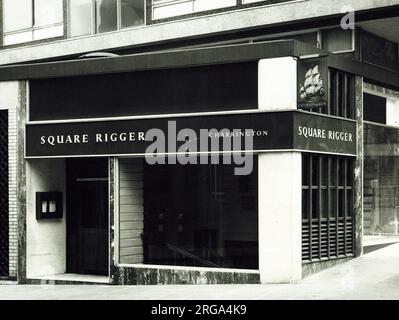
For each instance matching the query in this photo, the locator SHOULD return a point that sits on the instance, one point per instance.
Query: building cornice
(191, 28)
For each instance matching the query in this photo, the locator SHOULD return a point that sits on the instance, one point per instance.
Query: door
(87, 216)
(4, 242)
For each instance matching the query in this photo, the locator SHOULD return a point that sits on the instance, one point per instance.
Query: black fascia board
(158, 60)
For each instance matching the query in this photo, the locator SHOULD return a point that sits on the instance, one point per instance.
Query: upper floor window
(96, 16)
(28, 20)
(162, 9)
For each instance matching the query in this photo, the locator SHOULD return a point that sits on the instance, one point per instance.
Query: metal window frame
(94, 18)
(341, 94)
(33, 27)
(327, 235)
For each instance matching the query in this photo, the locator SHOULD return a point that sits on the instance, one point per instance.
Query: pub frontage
(231, 164)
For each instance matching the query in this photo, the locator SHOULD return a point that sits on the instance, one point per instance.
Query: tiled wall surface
(9, 100)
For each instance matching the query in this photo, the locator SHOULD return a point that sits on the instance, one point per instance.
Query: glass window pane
(349, 174)
(341, 172)
(341, 203)
(132, 13)
(315, 204)
(324, 203)
(305, 204)
(17, 14)
(333, 203)
(324, 179)
(48, 12)
(305, 170)
(20, 37)
(210, 224)
(315, 170)
(337, 40)
(107, 15)
(381, 181)
(333, 172)
(81, 18)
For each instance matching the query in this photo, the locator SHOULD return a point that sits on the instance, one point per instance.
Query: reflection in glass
(48, 12)
(17, 14)
(200, 217)
(132, 13)
(107, 19)
(381, 180)
(81, 19)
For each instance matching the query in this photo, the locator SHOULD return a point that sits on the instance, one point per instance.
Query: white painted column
(277, 84)
(280, 217)
(280, 182)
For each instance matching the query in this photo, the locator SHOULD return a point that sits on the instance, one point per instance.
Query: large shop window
(381, 162)
(97, 16)
(193, 215)
(327, 207)
(29, 20)
(381, 183)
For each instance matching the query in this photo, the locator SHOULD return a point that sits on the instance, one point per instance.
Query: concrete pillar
(280, 182)
(359, 168)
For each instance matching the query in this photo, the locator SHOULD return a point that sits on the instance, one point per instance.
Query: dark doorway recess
(87, 216)
(4, 240)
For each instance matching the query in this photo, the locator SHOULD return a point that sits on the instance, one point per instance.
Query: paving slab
(372, 276)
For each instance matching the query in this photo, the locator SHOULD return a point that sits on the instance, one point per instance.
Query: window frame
(32, 28)
(332, 176)
(353, 40)
(93, 26)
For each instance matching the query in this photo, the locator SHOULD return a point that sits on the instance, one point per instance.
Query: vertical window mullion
(336, 173)
(118, 15)
(352, 213)
(33, 14)
(329, 92)
(310, 206)
(344, 96)
(337, 101)
(94, 16)
(345, 202)
(328, 206)
(319, 216)
(351, 97)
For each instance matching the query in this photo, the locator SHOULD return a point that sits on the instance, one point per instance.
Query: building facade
(195, 142)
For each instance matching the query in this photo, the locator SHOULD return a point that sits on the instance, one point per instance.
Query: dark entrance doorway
(87, 216)
(4, 242)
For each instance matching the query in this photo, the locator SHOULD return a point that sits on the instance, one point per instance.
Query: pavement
(372, 276)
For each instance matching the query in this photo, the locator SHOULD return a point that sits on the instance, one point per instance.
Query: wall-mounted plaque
(49, 205)
(312, 84)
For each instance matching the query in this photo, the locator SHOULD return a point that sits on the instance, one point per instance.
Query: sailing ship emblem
(312, 91)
